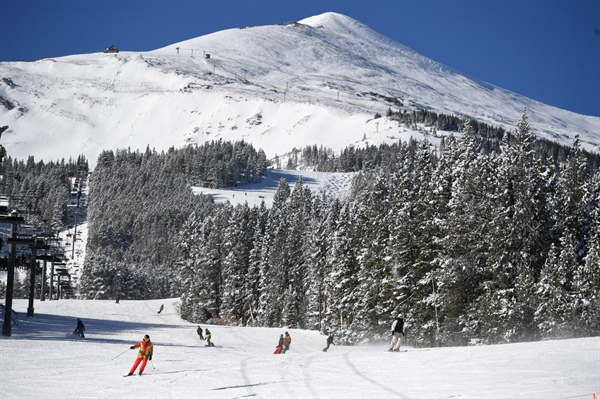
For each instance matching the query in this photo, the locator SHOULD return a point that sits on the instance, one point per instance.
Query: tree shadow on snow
(48, 327)
(271, 181)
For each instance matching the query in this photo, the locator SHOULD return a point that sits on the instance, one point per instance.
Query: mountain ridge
(318, 81)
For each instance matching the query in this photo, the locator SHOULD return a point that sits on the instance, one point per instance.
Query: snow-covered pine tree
(518, 234)
(377, 289)
(315, 248)
(190, 237)
(552, 301)
(573, 217)
(456, 285)
(341, 281)
(401, 241)
(275, 261)
(585, 285)
(237, 239)
(300, 208)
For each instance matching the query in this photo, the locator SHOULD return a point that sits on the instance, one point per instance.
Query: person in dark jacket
(79, 329)
(397, 332)
(279, 346)
(161, 308)
(329, 342)
(199, 332)
(208, 335)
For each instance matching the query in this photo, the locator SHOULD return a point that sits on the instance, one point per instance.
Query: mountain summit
(318, 81)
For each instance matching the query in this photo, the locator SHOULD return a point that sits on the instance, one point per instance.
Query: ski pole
(152, 365)
(119, 354)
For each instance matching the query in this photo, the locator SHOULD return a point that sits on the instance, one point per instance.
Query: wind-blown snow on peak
(342, 25)
(318, 81)
(339, 23)
(330, 20)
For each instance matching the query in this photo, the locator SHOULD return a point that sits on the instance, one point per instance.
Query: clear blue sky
(548, 50)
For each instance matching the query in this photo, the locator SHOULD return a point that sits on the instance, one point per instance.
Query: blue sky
(548, 50)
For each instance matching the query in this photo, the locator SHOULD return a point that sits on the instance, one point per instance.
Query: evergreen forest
(489, 238)
(469, 246)
(41, 193)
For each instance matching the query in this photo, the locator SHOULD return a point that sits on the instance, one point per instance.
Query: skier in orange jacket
(144, 354)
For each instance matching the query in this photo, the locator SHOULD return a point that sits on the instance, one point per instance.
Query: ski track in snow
(370, 380)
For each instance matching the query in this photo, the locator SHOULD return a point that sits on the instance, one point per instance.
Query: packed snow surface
(333, 184)
(42, 359)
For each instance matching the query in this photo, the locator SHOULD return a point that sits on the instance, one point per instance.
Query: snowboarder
(144, 354)
(199, 331)
(287, 341)
(329, 342)
(79, 329)
(279, 345)
(397, 331)
(207, 335)
(161, 308)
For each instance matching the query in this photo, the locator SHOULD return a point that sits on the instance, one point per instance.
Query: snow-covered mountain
(318, 81)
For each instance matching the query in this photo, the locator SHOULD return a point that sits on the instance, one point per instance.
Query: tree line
(470, 242)
(354, 159)
(471, 247)
(138, 202)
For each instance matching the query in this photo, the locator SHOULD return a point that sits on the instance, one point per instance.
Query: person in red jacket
(144, 354)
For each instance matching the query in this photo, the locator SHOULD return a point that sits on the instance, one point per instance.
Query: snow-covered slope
(43, 359)
(333, 184)
(319, 81)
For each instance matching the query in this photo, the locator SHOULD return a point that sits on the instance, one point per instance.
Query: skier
(329, 342)
(199, 331)
(144, 354)
(397, 331)
(207, 335)
(161, 308)
(279, 345)
(287, 341)
(79, 329)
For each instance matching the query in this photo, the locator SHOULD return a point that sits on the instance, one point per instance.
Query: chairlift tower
(14, 220)
(34, 243)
